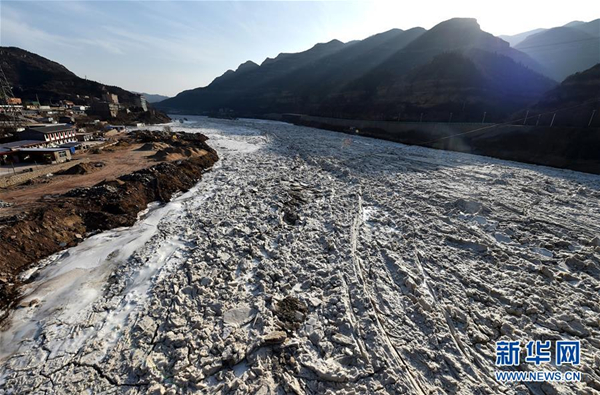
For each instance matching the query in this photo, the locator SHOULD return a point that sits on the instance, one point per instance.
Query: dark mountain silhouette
(33, 76)
(565, 50)
(390, 74)
(574, 100)
(467, 83)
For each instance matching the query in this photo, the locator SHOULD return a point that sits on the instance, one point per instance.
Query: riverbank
(571, 148)
(170, 162)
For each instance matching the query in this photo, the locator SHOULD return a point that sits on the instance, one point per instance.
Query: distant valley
(154, 98)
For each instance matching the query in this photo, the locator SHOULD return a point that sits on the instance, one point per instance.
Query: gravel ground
(311, 262)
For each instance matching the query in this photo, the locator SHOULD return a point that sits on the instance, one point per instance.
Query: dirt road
(313, 262)
(116, 162)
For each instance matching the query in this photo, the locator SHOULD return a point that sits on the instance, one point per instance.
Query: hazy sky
(165, 47)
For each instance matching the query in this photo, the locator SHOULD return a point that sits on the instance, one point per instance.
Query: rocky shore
(63, 221)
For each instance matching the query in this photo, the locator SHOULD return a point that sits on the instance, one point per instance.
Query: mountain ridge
(340, 77)
(35, 77)
(565, 50)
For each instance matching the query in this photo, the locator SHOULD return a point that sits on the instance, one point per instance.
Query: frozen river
(309, 261)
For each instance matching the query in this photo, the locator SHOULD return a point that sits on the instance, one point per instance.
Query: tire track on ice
(414, 380)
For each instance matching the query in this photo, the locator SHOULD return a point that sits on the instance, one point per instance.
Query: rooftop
(42, 149)
(17, 144)
(74, 144)
(52, 128)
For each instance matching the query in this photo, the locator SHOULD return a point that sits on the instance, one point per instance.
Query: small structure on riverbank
(44, 155)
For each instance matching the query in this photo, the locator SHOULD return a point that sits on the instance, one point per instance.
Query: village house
(66, 119)
(9, 151)
(15, 145)
(78, 109)
(5, 156)
(44, 155)
(84, 137)
(52, 134)
(11, 108)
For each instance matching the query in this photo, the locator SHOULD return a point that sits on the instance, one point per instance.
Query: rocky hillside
(384, 76)
(579, 94)
(33, 76)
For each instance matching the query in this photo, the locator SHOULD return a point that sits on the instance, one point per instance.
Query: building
(66, 119)
(78, 109)
(5, 157)
(76, 147)
(44, 155)
(104, 110)
(51, 134)
(44, 120)
(10, 152)
(83, 137)
(13, 101)
(11, 108)
(16, 145)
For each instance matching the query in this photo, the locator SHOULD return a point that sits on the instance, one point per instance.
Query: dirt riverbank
(37, 229)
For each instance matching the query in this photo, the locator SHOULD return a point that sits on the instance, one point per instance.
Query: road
(312, 262)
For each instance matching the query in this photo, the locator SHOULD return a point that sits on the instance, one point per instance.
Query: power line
(7, 97)
(504, 123)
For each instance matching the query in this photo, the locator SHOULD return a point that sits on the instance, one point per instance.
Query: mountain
(247, 80)
(592, 28)
(385, 75)
(153, 98)
(33, 76)
(517, 38)
(458, 34)
(574, 100)
(565, 50)
(467, 83)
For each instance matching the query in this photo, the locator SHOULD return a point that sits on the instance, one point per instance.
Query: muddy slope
(63, 221)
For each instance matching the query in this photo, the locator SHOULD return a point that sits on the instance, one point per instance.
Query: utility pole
(450, 120)
(483, 120)
(591, 118)
(538, 120)
(12, 122)
(552, 122)
(526, 115)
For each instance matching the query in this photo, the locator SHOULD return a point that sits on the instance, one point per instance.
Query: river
(309, 261)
